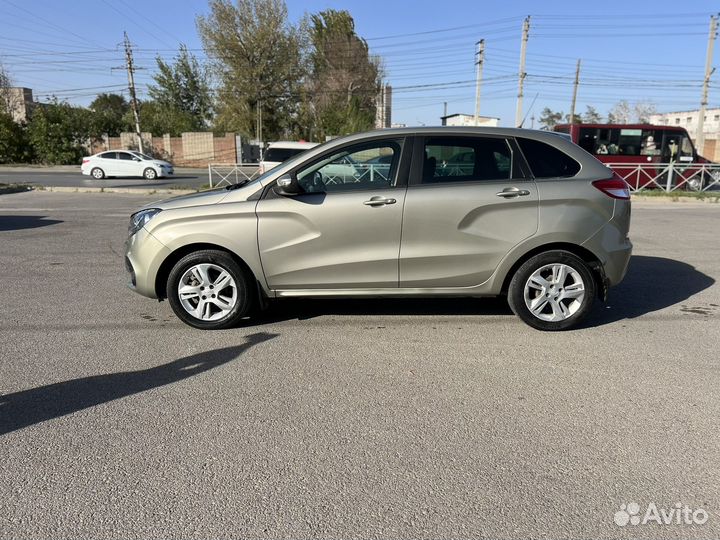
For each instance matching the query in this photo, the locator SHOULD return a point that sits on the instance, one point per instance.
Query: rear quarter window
(546, 161)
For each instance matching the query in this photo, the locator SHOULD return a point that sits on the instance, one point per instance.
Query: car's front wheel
(150, 173)
(552, 290)
(208, 289)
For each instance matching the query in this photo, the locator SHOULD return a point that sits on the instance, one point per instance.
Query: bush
(14, 147)
(58, 133)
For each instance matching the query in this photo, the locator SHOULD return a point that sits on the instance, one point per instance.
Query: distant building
(689, 121)
(17, 101)
(383, 107)
(398, 125)
(459, 119)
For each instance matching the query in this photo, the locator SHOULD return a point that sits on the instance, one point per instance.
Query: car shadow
(309, 308)
(651, 284)
(28, 407)
(16, 223)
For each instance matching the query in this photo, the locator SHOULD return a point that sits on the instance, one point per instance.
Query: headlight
(139, 219)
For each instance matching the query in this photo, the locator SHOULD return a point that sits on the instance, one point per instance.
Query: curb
(677, 199)
(135, 191)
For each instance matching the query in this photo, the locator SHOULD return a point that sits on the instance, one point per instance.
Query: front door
(344, 231)
(467, 205)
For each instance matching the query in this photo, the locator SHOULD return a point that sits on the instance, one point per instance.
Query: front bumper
(143, 256)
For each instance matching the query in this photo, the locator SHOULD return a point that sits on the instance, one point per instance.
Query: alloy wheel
(207, 292)
(554, 292)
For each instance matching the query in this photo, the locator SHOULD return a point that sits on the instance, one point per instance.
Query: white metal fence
(669, 176)
(230, 174)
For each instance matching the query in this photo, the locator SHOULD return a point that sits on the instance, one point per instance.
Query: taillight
(85, 160)
(614, 187)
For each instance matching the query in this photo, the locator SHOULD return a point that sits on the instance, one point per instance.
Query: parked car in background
(529, 215)
(125, 163)
(279, 152)
(642, 153)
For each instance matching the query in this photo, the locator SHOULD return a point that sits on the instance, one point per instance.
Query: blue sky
(639, 51)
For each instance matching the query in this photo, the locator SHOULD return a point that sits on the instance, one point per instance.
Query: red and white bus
(636, 148)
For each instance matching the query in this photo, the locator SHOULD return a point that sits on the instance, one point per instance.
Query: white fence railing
(233, 173)
(669, 176)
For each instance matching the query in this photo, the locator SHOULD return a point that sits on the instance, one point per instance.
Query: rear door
(469, 201)
(108, 163)
(344, 231)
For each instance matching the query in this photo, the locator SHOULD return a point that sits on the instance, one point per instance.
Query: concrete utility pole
(521, 73)
(258, 120)
(480, 58)
(700, 137)
(575, 89)
(131, 87)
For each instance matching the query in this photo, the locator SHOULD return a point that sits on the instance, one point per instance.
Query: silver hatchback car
(395, 213)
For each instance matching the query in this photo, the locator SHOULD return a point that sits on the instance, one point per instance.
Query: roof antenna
(529, 110)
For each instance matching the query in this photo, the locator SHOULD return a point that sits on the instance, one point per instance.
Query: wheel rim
(554, 292)
(97, 173)
(149, 174)
(207, 292)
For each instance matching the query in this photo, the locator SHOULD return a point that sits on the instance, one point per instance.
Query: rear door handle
(509, 193)
(379, 201)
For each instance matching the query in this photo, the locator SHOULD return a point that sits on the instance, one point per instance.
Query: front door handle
(509, 193)
(379, 201)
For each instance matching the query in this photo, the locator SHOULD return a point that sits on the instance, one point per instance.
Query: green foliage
(345, 79)
(182, 89)
(549, 118)
(258, 60)
(58, 132)
(110, 111)
(13, 142)
(591, 116)
(159, 120)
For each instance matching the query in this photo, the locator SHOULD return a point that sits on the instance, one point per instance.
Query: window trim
(519, 167)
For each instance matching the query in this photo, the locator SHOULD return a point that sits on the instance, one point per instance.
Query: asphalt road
(349, 419)
(65, 176)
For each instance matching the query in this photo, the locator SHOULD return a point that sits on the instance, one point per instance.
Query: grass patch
(14, 188)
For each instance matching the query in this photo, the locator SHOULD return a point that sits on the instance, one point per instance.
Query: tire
(198, 273)
(558, 312)
(97, 173)
(150, 174)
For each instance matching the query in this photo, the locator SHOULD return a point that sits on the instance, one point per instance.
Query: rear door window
(108, 155)
(466, 159)
(546, 161)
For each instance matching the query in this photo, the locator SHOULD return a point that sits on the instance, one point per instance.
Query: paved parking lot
(352, 419)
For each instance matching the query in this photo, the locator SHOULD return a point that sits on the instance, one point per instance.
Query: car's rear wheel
(97, 173)
(208, 289)
(150, 173)
(552, 290)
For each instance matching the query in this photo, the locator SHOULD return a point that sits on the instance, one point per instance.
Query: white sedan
(125, 163)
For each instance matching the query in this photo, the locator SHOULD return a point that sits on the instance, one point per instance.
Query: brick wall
(188, 150)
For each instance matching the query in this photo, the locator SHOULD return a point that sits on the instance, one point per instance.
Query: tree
(549, 118)
(60, 132)
(643, 110)
(159, 119)
(13, 143)
(591, 115)
(620, 113)
(345, 79)
(183, 87)
(258, 60)
(109, 111)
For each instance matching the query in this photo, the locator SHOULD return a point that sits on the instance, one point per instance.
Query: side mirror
(287, 186)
